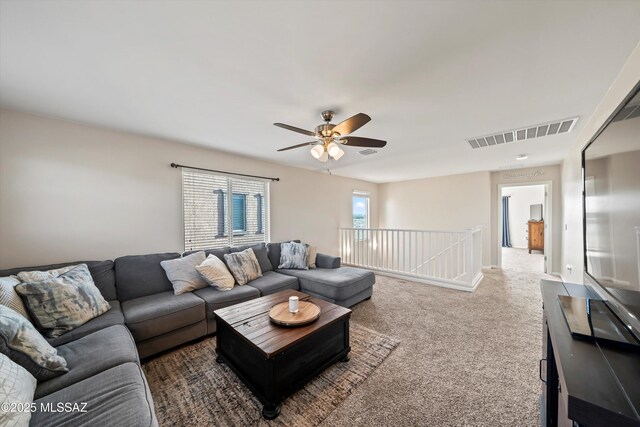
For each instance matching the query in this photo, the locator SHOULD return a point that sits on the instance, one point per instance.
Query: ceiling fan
(329, 137)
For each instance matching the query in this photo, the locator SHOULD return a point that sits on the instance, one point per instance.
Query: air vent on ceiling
(367, 152)
(529, 132)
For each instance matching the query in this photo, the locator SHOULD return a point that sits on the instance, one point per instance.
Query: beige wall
(70, 191)
(452, 203)
(529, 176)
(572, 251)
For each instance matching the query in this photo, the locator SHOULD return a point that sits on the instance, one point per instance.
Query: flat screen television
(611, 213)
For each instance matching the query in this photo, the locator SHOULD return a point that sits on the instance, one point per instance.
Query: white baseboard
(435, 282)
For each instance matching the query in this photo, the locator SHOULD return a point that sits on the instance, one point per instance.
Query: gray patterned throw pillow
(63, 303)
(20, 341)
(294, 255)
(243, 266)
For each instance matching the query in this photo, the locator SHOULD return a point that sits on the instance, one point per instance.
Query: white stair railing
(446, 258)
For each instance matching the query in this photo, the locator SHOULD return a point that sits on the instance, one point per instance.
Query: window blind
(214, 204)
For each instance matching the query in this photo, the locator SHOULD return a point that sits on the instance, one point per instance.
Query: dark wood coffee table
(274, 361)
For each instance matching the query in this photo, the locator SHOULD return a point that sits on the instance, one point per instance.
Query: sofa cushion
(101, 271)
(118, 396)
(141, 275)
(182, 272)
(20, 341)
(272, 282)
(243, 266)
(327, 261)
(17, 385)
(336, 284)
(61, 304)
(153, 315)
(110, 318)
(90, 355)
(261, 253)
(216, 299)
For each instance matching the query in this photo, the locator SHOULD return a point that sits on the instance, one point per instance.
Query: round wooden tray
(307, 313)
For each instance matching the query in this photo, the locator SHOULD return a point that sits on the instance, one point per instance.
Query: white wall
(572, 245)
(450, 203)
(537, 175)
(70, 191)
(520, 201)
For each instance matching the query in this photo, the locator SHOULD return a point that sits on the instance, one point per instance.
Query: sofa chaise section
(345, 286)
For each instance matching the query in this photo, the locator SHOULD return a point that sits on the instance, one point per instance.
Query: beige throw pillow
(311, 260)
(243, 265)
(216, 273)
(9, 297)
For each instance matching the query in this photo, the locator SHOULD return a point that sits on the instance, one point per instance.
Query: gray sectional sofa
(146, 318)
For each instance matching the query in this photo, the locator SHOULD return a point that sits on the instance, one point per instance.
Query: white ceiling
(218, 74)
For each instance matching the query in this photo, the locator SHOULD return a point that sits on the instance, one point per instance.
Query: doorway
(525, 227)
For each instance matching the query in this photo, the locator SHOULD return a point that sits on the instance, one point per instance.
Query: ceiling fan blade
(356, 141)
(295, 129)
(297, 146)
(352, 124)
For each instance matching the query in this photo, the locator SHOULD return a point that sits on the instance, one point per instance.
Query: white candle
(293, 304)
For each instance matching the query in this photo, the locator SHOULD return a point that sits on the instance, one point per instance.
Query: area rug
(190, 388)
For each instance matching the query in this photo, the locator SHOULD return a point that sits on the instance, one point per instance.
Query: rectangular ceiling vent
(526, 133)
(368, 152)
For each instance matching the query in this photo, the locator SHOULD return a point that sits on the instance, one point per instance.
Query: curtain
(506, 236)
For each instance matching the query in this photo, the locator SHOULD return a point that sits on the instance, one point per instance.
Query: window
(240, 213)
(214, 204)
(360, 208)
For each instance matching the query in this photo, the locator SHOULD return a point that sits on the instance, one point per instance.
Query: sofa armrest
(327, 261)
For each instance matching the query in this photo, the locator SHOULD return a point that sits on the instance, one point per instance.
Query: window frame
(366, 196)
(220, 230)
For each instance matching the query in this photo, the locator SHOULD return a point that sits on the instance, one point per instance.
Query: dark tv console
(585, 383)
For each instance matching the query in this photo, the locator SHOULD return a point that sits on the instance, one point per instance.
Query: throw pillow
(311, 258)
(9, 297)
(65, 302)
(244, 266)
(294, 255)
(182, 273)
(216, 273)
(20, 341)
(17, 386)
(39, 276)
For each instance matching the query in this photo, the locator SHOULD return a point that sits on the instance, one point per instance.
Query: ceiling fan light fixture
(324, 157)
(339, 154)
(317, 151)
(333, 149)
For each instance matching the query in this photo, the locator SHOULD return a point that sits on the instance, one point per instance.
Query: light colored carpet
(465, 359)
(190, 389)
(517, 259)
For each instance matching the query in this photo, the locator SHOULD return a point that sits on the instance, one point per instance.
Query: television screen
(612, 202)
